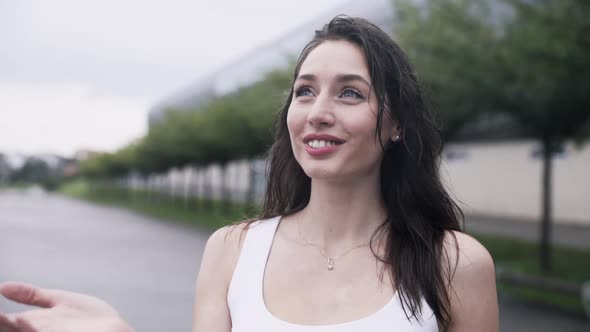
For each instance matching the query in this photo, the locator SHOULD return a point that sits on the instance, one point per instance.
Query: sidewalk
(569, 235)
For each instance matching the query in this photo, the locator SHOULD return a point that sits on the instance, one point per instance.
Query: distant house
(82, 155)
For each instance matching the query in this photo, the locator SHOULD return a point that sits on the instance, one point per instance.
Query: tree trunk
(251, 187)
(545, 252)
(199, 189)
(207, 200)
(225, 190)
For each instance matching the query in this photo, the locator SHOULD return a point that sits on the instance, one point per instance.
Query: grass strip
(569, 264)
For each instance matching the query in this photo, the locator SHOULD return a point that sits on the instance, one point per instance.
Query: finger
(7, 323)
(28, 294)
(28, 321)
(24, 326)
(7, 328)
(6, 318)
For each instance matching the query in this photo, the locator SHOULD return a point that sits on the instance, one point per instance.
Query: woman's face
(333, 114)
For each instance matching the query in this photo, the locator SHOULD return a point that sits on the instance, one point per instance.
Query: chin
(322, 173)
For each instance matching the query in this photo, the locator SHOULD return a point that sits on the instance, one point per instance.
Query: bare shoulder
(472, 291)
(227, 237)
(224, 247)
(465, 255)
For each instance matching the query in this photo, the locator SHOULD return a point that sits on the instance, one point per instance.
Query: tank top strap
(245, 289)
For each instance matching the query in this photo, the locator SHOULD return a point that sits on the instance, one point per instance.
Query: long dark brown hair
(419, 209)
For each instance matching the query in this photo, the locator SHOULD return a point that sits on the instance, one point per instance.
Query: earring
(396, 138)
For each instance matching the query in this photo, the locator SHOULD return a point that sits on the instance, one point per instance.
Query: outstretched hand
(58, 311)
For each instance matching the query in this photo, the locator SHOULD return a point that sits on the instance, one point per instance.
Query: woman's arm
(473, 296)
(211, 312)
(59, 311)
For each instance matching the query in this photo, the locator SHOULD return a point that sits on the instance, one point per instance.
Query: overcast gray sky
(78, 74)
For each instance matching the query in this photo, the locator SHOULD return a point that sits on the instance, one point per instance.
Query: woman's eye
(303, 92)
(351, 93)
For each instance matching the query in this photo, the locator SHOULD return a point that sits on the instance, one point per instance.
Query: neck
(342, 215)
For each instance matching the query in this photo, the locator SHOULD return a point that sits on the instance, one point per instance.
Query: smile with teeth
(318, 144)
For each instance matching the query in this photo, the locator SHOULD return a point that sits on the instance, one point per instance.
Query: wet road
(145, 267)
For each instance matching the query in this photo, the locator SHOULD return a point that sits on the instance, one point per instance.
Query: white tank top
(249, 312)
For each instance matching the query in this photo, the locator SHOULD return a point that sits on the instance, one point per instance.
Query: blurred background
(130, 130)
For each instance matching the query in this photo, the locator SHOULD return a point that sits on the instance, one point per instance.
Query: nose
(321, 112)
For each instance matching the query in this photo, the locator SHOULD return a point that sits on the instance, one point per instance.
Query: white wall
(498, 179)
(504, 179)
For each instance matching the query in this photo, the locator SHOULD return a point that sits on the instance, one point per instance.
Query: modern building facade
(275, 55)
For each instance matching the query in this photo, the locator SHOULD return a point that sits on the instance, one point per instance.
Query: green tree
(34, 170)
(544, 76)
(529, 60)
(234, 126)
(449, 43)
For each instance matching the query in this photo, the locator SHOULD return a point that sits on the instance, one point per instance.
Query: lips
(321, 144)
(322, 137)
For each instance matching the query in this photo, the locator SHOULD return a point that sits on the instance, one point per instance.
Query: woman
(356, 232)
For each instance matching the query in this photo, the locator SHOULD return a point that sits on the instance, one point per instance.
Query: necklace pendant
(330, 263)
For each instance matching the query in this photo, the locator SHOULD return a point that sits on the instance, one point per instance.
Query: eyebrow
(341, 78)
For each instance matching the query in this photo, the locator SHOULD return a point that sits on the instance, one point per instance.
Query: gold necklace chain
(331, 259)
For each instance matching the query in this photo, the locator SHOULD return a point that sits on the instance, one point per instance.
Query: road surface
(143, 266)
